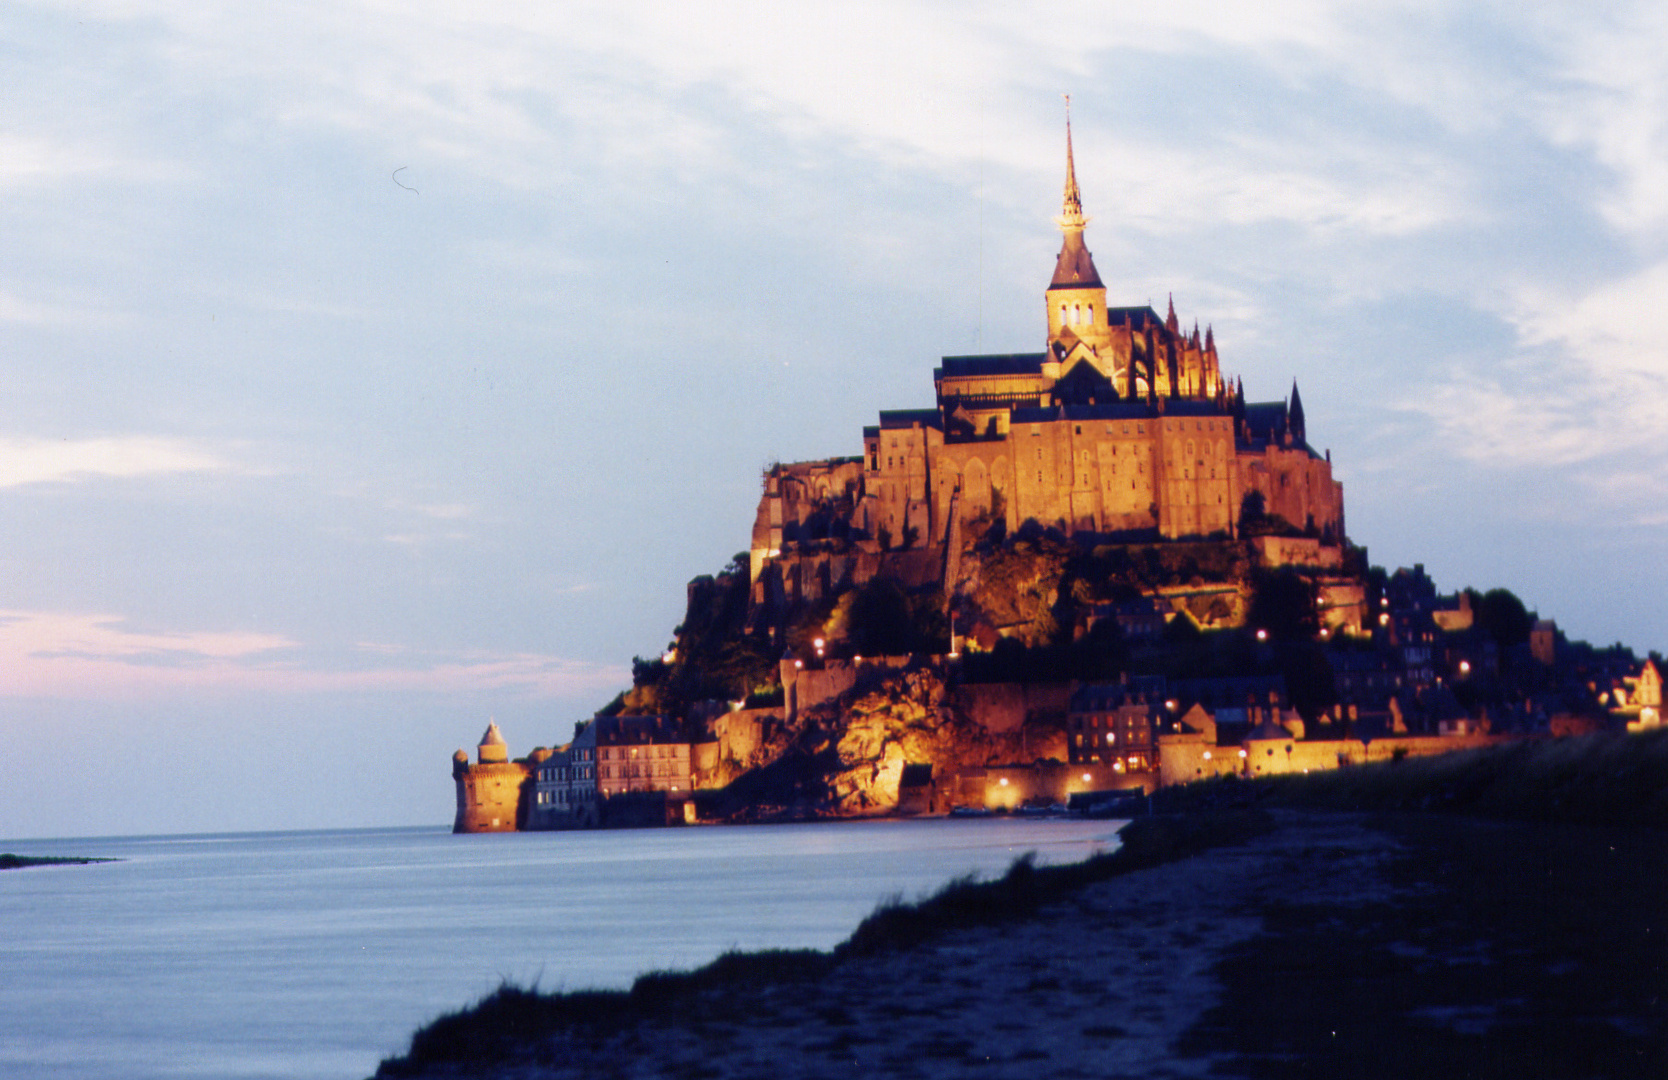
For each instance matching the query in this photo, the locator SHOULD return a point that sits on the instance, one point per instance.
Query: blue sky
(375, 369)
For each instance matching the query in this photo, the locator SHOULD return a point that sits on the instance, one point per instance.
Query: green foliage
(1283, 603)
(648, 672)
(1502, 616)
(879, 621)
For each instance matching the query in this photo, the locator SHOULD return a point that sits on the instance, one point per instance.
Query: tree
(1283, 604)
(878, 621)
(1502, 616)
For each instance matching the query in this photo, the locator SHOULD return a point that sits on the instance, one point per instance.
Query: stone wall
(492, 797)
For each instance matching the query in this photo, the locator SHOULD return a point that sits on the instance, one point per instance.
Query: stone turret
(492, 795)
(492, 749)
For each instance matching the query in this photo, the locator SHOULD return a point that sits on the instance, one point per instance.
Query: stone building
(495, 794)
(565, 786)
(641, 753)
(1123, 424)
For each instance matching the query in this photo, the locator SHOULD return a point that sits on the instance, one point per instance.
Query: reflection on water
(315, 954)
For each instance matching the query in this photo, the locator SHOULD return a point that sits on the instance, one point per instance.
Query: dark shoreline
(1391, 939)
(20, 862)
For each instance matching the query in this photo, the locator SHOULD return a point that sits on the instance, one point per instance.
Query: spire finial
(1071, 213)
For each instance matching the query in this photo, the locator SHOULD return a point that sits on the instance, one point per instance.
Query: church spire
(1071, 210)
(1075, 268)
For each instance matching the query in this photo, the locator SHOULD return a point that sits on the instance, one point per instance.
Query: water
(316, 954)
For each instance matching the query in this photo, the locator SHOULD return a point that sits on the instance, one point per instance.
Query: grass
(512, 1020)
(1513, 949)
(1602, 779)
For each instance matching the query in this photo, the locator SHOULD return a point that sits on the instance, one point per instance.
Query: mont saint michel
(1084, 573)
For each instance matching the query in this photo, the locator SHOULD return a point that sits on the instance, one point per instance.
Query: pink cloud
(53, 654)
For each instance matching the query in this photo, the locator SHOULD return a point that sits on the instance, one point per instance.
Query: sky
(372, 370)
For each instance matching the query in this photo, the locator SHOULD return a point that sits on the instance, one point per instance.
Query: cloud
(100, 657)
(28, 460)
(1583, 399)
(1613, 100)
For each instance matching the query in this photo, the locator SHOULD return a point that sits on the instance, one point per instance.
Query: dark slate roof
(1118, 316)
(1122, 410)
(908, 418)
(963, 367)
(1140, 689)
(650, 729)
(1265, 418)
(1075, 268)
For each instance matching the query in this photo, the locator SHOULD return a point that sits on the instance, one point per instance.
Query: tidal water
(316, 954)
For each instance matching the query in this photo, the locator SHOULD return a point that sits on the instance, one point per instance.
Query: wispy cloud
(81, 656)
(30, 460)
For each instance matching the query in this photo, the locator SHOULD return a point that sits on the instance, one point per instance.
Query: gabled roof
(964, 367)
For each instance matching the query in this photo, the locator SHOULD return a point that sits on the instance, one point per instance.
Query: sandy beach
(1331, 945)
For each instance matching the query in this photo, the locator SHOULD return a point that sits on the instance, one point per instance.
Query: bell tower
(1077, 323)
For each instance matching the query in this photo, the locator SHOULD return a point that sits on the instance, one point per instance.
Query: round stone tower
(492, 793)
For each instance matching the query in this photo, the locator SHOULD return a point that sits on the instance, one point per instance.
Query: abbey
(1124, 424)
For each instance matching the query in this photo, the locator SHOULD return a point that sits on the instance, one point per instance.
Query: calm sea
(316, 954)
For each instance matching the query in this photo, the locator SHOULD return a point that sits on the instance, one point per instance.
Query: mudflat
(1330, 944)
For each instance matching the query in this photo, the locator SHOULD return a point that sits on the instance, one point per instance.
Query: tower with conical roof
(494, 793)
(492, 748)
(1078, 329)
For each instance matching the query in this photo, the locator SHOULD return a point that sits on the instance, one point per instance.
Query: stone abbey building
(1124, 424)
(1123, 430)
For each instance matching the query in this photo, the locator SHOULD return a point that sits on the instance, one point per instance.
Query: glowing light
(1003, 781)
(1465, 667)
(1262, 635)
(1171, 704)
(670, 656)
(798, 664)
(817, 643)
(1086, 778)
(1242, 753)
(1384, 620)
(1111, 737)
(1207, 755)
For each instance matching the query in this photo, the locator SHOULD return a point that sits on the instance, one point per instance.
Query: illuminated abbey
(1123, 425)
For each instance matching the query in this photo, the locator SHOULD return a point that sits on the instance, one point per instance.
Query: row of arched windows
(1077, 314)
